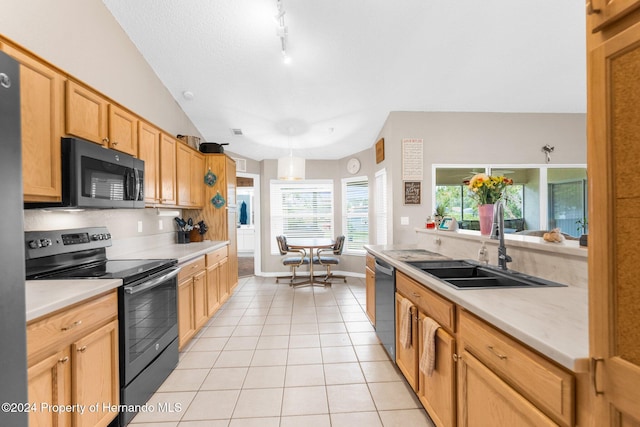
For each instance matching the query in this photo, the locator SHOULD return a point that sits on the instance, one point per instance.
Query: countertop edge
(571, 361)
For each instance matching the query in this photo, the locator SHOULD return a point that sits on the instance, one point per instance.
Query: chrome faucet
(497, 233)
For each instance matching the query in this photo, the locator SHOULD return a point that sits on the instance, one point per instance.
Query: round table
(311, 243)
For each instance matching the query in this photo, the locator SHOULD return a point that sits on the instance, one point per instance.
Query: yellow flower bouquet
(487, 189)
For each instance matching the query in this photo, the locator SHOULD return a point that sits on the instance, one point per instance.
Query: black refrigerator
(13, 351)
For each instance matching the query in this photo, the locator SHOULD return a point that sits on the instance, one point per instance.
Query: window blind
(355, 213)
(380, 206)
(301, 209)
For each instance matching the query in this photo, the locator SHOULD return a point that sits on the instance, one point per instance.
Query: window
(568, 207)
(380, 206)
(355, 214)
(301, 209)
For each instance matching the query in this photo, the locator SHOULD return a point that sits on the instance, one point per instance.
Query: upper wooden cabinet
(123, 130)
(41, 107)
(605, 12)
(167, 164)
(149, 151)
(613, 154)
(190, 176)
(90, 116)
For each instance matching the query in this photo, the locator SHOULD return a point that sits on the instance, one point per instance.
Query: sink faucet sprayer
(497, 233)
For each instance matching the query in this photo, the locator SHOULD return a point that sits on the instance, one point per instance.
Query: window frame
(346, 216)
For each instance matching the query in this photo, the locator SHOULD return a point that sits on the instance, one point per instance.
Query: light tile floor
(274, 356)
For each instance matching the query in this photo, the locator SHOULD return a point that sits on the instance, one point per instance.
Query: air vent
(241, 164)
(237, 132)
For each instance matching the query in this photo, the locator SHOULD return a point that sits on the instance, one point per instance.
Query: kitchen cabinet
(192, 300)
(41, 108)
(613, 153)
(217, 279)
(73, 360)
(496, 366)
(158, 151)
(437, 392)
(190, 176)
(222, 221)
(370, 288)
(605, 12)
(91, 116)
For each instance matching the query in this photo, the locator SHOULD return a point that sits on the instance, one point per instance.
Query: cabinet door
(213, 289)
(41, 107)
(197, 179)
(183, 171)
(148, 150)
(613, 158)
(50, 384)
(167, 170)
(232, 236)
(407, 358)
(485, 400)
(224, 285)
(371, 295)
(200, 299)
(186, 324)
(605, 12)
(95, 376)
(86, 113)
(438, 391)
(123, 130)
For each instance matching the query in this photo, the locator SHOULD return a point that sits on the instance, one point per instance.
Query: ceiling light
(188, 95)
(282, 32)
(291, 168)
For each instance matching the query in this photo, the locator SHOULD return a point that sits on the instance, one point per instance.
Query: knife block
(195, 236)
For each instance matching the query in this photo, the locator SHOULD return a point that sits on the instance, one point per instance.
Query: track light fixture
(282, 32)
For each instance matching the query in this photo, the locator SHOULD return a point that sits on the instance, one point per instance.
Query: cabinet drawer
(217, 256)
(371, 262)
(68, 325)
(542, 382)
(190, 268)
(436, 307)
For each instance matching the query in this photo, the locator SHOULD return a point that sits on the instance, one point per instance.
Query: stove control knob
(96, 237)
(34, 244)
(46, 242)
(107, 236)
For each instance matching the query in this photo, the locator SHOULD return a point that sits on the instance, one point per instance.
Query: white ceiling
(353, 62)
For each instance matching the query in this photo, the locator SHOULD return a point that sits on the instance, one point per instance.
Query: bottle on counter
(431, 224)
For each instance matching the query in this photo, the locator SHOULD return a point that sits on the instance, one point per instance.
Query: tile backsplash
(123, 224)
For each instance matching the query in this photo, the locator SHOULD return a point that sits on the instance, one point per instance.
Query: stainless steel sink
(468, 274)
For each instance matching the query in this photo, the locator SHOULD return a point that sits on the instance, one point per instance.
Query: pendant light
(289, 167)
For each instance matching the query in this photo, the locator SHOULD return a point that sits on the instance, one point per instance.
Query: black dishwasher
(386, 306)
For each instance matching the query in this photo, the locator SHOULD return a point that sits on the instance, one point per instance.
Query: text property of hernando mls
(161, 407)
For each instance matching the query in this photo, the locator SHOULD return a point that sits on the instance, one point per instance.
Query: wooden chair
(294, 261)
(330, 257)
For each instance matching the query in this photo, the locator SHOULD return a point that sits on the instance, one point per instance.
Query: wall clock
(353, 166)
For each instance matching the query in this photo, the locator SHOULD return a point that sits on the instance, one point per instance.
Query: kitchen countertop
(44, 297)
(553, 321)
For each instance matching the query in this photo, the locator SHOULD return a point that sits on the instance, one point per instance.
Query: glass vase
(485, 212)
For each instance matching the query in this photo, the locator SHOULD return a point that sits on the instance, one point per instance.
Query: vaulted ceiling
(352, 63)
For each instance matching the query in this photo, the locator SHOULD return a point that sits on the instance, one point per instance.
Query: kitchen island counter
(553, 321)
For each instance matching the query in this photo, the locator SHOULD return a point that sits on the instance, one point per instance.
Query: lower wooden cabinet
(486, 400)
(77, 365)
(370, 286)
(407, 358)
(203, 286)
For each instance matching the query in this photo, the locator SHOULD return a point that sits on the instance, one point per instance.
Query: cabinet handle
(105, 140)
(493, 350)
(82, 349)
(456, 357)
(64, 359)
(594, 374)
(114, 143)
(591, 10)
(415, 294)
(73, 325)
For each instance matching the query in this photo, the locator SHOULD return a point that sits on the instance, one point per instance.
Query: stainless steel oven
(147, 303)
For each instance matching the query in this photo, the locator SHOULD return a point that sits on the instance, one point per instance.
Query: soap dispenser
(483, 254)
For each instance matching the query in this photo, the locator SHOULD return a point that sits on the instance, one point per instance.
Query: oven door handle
(152, 283)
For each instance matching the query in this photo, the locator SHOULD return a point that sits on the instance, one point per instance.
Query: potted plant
(438, 214)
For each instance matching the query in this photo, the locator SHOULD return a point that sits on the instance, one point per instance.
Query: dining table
(311, 244)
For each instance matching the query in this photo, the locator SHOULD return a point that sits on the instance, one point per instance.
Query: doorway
(248, 202)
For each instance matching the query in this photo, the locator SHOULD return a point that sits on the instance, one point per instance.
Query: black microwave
(98, 178)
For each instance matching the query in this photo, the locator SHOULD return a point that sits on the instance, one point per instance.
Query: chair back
(339, 245)
(282, 244)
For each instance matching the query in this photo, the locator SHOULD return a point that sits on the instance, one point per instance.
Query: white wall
(466, 138)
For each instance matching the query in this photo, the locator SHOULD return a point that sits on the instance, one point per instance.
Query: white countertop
(46, 296)
(553, 321)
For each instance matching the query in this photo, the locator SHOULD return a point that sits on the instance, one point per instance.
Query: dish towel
(428, 359)
(405, 323)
